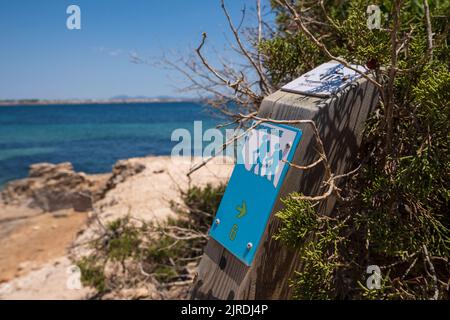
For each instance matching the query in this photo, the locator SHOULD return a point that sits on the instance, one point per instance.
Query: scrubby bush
(397, 216)
(163, 254)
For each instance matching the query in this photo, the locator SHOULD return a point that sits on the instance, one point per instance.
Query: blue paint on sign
(253, 188)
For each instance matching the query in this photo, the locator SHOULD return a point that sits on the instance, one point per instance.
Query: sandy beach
(37, 243)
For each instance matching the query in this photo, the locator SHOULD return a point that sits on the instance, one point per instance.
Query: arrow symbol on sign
(242, 210)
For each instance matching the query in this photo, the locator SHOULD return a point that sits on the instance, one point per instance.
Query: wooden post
(340, 120)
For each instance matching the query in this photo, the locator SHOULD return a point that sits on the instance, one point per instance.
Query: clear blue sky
(41, 58)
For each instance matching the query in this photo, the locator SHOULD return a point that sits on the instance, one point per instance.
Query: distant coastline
(38, 102)
(92, 136)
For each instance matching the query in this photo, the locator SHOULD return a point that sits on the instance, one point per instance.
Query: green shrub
(398, 216)
(144, 249)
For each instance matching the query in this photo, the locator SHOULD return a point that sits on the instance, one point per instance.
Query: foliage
(317, 239)
(92, 274)
(138, 250)
(398, 215)
(289, 57)
(203, 204)
(123, 241)
(394, 212)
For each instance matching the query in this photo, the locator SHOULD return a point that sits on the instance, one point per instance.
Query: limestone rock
(122, 170)
(53, 187)
(82, 202)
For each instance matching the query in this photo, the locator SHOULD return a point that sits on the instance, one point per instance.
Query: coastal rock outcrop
(53, 187)
(145, 189)
(122, 170)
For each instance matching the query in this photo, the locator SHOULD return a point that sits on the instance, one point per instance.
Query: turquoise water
(93, 137)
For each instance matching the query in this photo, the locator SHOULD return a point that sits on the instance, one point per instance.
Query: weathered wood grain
(340, 121)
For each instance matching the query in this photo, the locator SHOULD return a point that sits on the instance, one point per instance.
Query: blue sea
(93, 136)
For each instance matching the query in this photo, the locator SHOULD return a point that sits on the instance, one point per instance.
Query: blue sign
(253, 188)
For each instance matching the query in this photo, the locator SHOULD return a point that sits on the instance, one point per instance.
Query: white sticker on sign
(325, 80)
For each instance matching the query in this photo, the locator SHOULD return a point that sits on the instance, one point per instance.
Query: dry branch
(299, 21)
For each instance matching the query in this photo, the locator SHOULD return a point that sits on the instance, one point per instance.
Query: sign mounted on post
(253, 188)
(325, 80)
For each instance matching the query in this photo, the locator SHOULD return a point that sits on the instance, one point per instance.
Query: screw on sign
(339, 101)
(260, 170)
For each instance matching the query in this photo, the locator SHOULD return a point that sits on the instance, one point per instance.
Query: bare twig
(429, 29)
(409, 268)
(316, 133)
(389, 96)
(307, 167)
(433, 273)
(219, 76)
(258, 13)
(264, 84)
(178, 283)
(331, 21)
(299, 21)
(221, 149)
(331, 189)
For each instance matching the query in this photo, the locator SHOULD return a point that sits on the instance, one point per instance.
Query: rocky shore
(44, 217)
